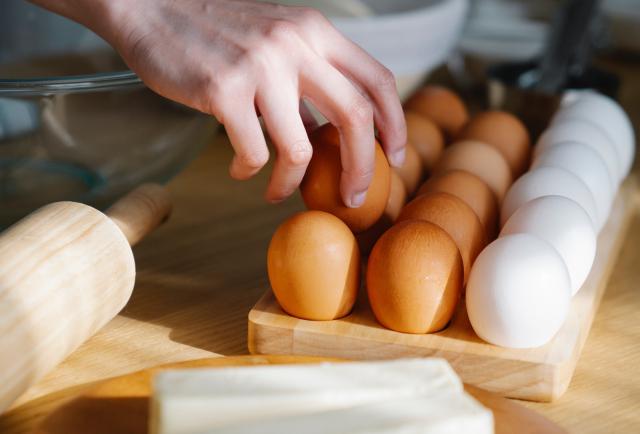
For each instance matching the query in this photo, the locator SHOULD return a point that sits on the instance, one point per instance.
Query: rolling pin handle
(141, 211)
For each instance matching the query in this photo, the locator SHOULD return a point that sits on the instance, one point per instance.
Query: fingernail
(273, 200)
(358, 199)
(397, 157)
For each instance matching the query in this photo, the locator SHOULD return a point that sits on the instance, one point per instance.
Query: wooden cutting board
(120, 405)
(538, 374)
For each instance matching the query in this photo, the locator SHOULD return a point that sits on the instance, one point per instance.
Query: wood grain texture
(201, 272)
(141, 211)
(538, 374)
(120, 405)
(66, 271)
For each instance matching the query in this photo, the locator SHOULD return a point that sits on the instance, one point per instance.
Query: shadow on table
(200, 274)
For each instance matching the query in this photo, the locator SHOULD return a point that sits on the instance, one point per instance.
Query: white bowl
(410, 37)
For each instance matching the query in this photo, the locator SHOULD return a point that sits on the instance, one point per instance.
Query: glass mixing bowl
(75, 123)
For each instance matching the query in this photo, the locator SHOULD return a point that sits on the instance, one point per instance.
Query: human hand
(235, 58)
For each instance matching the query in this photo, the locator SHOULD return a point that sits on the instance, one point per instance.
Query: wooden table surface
(199, 275)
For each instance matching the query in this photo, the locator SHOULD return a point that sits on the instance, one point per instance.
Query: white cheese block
(437, 413)
(196, 400)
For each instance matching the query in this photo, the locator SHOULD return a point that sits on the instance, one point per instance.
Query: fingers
(352, 115)
(280, 112)
(375, 81)
(379, 85)
(245, 134)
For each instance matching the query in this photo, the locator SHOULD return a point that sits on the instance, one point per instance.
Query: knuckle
(258, 56)
(215, 104)
(385, 78)
(361, 175)
(299, 154)
(214, 93)
(282, 32)
(310, 16)
(253, 160)
(359, 113)
(219, 90)
(212, 87)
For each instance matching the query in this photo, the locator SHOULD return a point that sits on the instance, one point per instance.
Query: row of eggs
(313, 259)
(521, 285)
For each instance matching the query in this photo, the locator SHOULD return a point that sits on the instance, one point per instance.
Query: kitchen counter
(201, 272)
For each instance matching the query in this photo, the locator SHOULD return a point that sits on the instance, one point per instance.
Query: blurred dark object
(568, 49)
(533, 89)
(534, 107)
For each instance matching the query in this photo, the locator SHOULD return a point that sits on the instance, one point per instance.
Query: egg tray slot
(536, 374)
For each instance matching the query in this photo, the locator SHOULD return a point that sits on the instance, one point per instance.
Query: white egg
(585, 132)
(585, 164)
(566, 226)
(548, 181)
(605, 113)
(518, 292)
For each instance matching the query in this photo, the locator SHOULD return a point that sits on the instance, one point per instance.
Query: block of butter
(212, 400)
(440, 413)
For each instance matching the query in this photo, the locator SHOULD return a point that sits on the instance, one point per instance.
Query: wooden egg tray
(538, 374)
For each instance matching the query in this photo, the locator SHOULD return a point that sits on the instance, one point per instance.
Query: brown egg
(442, 106)
(455, 217)
(313, 263)
(320, 187)
(482, 160)
(414, 278)
(472, 190)
(504, 131)
(426, 138)
(412, 170)
(397, 199)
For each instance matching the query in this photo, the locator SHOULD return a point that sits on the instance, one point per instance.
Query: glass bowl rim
(103, 81)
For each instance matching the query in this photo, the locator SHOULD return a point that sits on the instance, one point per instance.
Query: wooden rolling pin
(65, 271)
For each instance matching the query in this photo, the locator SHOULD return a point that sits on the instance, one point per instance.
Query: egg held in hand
(455, 217)
(519, 292)
(397, 199)
(313, 263)
(320, 186)
(414, 277)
